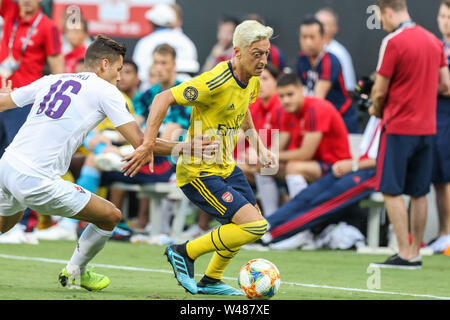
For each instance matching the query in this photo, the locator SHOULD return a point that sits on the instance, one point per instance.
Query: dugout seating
(156, 192)
(375, 202)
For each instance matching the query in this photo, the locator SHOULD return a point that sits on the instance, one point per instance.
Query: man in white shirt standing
(66, 107)
(166, 29)
(329, 19)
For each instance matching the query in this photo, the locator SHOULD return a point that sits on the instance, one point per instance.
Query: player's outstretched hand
(204, 146)
(201, 146)
(268, 159)
(135, 161)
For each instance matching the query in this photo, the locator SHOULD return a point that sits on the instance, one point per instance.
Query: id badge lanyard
(27, 39)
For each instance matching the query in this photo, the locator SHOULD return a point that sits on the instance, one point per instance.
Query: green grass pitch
(141, 272)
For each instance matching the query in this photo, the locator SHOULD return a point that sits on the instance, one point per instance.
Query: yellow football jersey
(220, 102)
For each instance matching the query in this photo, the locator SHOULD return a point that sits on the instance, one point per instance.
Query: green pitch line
(140, 272)
(107, 266)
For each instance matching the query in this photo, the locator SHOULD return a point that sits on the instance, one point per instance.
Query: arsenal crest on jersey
(227, 197)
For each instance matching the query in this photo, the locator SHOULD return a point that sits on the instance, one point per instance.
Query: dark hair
(132, 64)
(446, 2)
(311, 20)
(229, 19)
(81, 60)
(396, 5)
(103, 48)
(164, 49)
(288, 79)
(273, 70)
(256, 17)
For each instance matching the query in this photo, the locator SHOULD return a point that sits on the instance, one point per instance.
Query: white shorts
(44, 195)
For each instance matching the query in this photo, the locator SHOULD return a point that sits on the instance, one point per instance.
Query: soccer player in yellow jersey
(220, 99)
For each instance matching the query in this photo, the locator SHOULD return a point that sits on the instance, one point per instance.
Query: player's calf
(7, 222)
(100, 212)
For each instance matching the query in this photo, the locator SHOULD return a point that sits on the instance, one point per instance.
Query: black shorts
(441, 158)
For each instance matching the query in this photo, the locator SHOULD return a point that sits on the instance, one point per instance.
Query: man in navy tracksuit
(349, 182)
(441, 164)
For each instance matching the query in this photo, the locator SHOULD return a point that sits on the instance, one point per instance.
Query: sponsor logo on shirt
(79, 189)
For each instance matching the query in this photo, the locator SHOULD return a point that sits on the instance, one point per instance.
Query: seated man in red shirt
(316, 133)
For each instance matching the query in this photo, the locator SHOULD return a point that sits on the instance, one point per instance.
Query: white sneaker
(191, 233)
(56, 233)
(266, 238)
(109, 161)
(13, 236)
(30, 238)
(294, 242)
(440, 244)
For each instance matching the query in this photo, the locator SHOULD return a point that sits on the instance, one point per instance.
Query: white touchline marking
(109, 266)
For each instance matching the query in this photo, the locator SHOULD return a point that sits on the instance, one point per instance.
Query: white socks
(295, 184)
(268, 191)
(92, 240)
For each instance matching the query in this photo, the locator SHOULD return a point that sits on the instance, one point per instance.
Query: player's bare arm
(284, 140)
(379, 95)
(144, 153)
(198, 145)
(266, 157)
(311, 141)
(343, 167)
(322, 88)
(56, 63)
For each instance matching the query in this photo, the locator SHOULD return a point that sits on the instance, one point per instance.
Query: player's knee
(256, 229)
(113, 218)
(116, 215)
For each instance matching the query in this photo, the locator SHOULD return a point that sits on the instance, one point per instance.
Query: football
(259, 279)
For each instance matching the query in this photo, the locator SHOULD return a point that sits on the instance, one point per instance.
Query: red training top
(318, 115)
(71, 58)
(45, 41)
(267, 117)
(411, 57)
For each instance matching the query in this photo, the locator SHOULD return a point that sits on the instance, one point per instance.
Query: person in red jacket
(315, 133)
(30, 40)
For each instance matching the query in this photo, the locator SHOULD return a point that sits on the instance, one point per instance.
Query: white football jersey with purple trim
(66, 107)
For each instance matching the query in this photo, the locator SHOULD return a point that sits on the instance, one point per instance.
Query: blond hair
(250, 31)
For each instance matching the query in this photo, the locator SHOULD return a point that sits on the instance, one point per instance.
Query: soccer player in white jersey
(66, 107)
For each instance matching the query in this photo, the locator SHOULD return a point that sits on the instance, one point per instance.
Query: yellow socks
(226, 239)
(219, 261)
